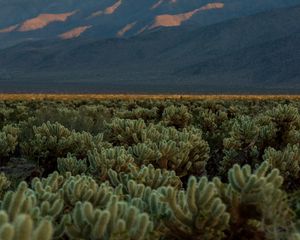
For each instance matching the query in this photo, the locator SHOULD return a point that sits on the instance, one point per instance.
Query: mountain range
(182, 46)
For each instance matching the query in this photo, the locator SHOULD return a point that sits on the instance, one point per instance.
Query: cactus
(144, 153)
(4, 184)
(139, 113)
(286, 120)
(288, 163)
(179, 117)
(117, 221)
(294, 236)
(22, 228)
(115, 158)
(72, 165)
(52, 141)
(8, 141)
(241, 146)
(197, 213)
(125, 132)
(146, 175)
(259, 191)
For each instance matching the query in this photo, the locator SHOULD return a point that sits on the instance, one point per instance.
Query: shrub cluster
(144, 169)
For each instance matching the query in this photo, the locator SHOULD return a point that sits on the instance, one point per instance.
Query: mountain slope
(44, 20)
(255, 53)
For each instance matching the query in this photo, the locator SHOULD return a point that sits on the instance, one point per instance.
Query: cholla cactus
(52, 141)
(22, 228)
(257, 205)
(240, 147)
(286, 120)
(145, 153)
(71, 164)
(4, 184)
(294, 236)
(197, 213)
(125, 132)
(146, 175)
(288, 163)
(117, 221)
(15, 203)
(139, 113)
(178, 117)
(85, 188)
(80, 143)
(115, 158)
(8, 141)
(188, 154)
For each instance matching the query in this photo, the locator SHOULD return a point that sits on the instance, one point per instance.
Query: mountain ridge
(107, 18)
(251, 53)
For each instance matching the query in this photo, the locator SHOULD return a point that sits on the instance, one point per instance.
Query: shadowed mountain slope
(255, 53)
(43, 20)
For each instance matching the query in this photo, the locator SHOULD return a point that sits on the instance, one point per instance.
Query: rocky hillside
(35, 20)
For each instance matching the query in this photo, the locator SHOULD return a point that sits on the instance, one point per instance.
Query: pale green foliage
(22, 228)
(240, 147)
(182, 151)
(287, 122)
(115, 158)
(178, 117)
(145, 153)
(125, 132)
(259, 191)
(52, 141)
(8, 140)
(139, 113)
(71, 164)
(294, 236)
(288, 163)
(197, 213)
(146, 175)
(72, 189)
(117, 221)
(143, 177)
(4, 184)
(85, 188)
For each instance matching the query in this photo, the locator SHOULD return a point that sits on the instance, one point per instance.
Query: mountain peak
(44, 19)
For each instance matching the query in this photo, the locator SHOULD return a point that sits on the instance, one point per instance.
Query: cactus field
(161, 168)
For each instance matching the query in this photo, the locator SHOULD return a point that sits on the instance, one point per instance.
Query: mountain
(43, 20)
(249, 54)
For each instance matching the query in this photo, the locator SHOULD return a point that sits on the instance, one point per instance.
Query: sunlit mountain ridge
(37, 20)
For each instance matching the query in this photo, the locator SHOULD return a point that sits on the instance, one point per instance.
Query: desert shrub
(179, 117)
(288, 163)
(52, 141)
(8, 142)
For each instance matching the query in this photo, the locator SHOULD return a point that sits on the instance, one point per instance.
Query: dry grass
(143, 96)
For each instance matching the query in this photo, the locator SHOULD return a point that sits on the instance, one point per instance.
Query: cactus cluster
(141, 169)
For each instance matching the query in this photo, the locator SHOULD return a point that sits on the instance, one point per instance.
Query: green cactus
(241, 146)
(197, 213)
(146, 175)
(294, 236)
(139, 113)
(144, 153)
(52, 141)
(22, 228)
(125, 132)
(117, 221)
(286, 120)
(288, 163)
(71, 164)
(4, 184)
(8, 141)
(115, 158)
(259, 191)
(179, 117)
